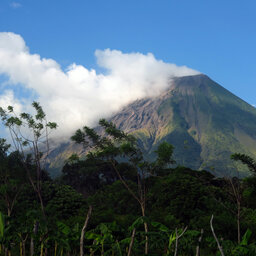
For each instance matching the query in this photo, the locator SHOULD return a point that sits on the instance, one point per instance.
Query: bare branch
(177, 239)
(216, 239)
(124, 182)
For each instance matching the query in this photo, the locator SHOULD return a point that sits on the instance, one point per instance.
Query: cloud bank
(79, 96)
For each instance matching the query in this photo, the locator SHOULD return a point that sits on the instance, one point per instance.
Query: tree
(29, 146)
(245, 159)
(236, 190)
(30, 135)
(115, 146)
(87, 176)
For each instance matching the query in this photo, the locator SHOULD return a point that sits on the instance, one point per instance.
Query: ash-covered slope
(205, 123)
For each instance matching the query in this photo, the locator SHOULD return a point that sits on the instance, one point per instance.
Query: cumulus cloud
(79, 96)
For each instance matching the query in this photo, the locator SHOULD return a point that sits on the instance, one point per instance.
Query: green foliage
(116, 143)
(4, 147)
(246, 237)
(37, 125)
(178, 197)
(164, 154)
(245, 159)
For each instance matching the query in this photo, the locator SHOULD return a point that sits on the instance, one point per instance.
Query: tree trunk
(32, 239)
(131, 243)
(199, 242)
(9, 212)
(238, 223)
(176, 242)
(21, 249)
(236, 192)
(31, 246)
(55, 249)
(24, 247)
(145, 228)
(83, 230)
(42, 249)
(41, 202)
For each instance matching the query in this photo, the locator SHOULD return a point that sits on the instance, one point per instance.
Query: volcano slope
(202, 120)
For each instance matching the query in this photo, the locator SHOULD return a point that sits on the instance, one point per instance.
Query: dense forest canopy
(114, 201)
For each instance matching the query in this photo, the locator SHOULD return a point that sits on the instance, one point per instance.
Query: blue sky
(217, 38)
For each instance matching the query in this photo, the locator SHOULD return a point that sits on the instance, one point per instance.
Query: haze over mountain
(205, 123)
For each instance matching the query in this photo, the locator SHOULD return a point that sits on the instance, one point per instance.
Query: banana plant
(61, 238)
(165, 234)
(102, 238)
(242, 249)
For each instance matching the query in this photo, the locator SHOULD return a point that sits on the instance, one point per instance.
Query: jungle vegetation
(114, 202)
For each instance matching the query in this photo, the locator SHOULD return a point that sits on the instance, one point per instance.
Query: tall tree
(115, 146)
(30, 135)
(37, 127)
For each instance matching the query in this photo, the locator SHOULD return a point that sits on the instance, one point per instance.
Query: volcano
(202, 120)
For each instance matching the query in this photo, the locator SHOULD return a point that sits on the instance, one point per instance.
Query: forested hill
(204, 121)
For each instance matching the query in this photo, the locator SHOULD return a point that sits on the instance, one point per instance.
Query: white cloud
(80, 96)
(7, 99)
